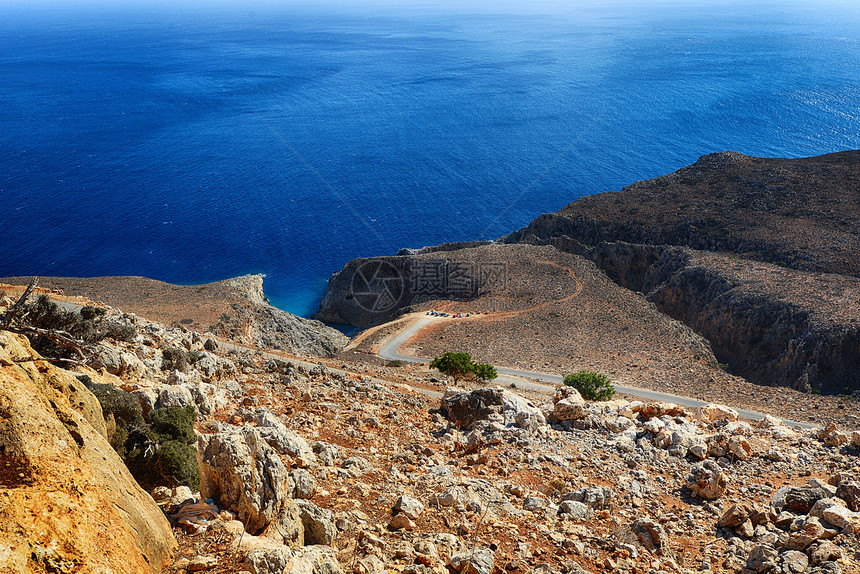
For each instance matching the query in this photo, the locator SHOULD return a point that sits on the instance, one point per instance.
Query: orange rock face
(67, 501)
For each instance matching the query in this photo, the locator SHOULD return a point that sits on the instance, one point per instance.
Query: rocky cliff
(769, 324)
(791, 323)
(802, 213)
(261, 324)
(234, 308)
(67, 502)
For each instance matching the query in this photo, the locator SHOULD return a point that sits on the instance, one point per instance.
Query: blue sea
(199, 141)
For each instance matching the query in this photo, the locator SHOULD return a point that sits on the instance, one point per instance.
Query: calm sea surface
(191, 145)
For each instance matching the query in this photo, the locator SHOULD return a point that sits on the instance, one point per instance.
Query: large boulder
(282, 439)
(716, 412)
(66, 498)
(707, 480)
(465, 408)
(242, 473)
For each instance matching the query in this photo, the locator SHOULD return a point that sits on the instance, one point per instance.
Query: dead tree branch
(10, 313)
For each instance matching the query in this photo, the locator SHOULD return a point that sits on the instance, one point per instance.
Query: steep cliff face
(257, 322)
(67, 501)
(801, 331)
(771, 325)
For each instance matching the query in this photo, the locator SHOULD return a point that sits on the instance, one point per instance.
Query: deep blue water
(195, 144)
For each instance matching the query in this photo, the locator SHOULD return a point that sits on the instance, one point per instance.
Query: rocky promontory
(800, 213)
(236, 309)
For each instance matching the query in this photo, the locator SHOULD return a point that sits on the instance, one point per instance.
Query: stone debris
(314, 470)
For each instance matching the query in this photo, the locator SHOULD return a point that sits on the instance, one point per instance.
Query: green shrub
(86, 326)
(91, 313)
(123, 406)
(460, 365)
(396, 364)
(592, 386)
(173, 423)
(163, 450)
(484, 371)
(158, 451)
(120, 332)
(177, 462)
(456, 365)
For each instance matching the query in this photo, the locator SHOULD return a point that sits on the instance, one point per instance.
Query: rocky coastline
(754, 254)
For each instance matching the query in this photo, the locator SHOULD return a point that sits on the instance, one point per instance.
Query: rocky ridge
(802, 213)
(234, 308)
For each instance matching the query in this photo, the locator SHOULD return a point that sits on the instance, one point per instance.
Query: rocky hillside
(235, 308)
(770, 324)
(321, 470)
(801, 213)
(793, 322)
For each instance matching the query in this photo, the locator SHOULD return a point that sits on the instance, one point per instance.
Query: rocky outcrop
(261, 324)
(67, 501)
(369, 292)
(241, 472)
(235, 308)
(767, 327)
(800, 212)
(465, 408)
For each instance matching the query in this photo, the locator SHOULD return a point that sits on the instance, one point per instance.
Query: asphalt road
(390, 351)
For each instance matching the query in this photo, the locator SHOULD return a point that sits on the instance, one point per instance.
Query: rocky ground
(600, 488)
(322, 469)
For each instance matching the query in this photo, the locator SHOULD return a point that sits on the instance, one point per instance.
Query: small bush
(163, 450)
(91, 313)
(178, 463)
(484, 371)
(120, 332)
(122, 406)
(592, 386)
(460, 365)
(173, 423)
(395, 364)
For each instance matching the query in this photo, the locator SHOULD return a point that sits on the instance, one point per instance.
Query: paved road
(390, 351)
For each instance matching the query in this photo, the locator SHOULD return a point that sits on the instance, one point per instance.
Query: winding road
(391, 351)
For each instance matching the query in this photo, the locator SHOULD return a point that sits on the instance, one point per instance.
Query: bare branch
(60, 338)
(16, 307)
